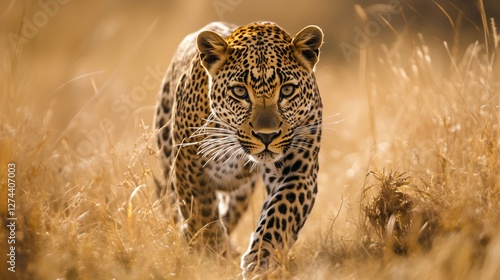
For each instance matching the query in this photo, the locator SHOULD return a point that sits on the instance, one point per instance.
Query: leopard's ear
(306, 46)
(213, 49)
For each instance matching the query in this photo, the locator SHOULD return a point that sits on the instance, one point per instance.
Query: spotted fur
(240, 105)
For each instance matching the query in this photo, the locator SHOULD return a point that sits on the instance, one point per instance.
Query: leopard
(240, 107)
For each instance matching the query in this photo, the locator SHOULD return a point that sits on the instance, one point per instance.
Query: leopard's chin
(266, 157)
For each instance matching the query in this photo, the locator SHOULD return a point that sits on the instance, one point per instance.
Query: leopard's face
(262, 88)
(263, 105)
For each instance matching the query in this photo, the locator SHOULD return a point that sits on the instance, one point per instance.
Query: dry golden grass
(409, 183)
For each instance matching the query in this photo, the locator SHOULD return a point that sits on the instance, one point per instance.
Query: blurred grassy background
(79, 78)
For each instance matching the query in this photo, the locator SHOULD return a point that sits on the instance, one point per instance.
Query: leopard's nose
(266, 138)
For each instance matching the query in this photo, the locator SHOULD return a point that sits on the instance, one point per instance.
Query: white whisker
(219, 141)
(254, 166)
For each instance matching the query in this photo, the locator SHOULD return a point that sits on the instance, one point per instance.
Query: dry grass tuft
(402, 214)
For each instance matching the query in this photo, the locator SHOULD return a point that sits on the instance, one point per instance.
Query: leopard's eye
(240, 92)
(286, 91)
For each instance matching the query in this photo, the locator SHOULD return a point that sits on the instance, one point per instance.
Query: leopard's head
(262, 89)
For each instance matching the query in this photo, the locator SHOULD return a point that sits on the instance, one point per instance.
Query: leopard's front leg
(198, 203)
(291, 190)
